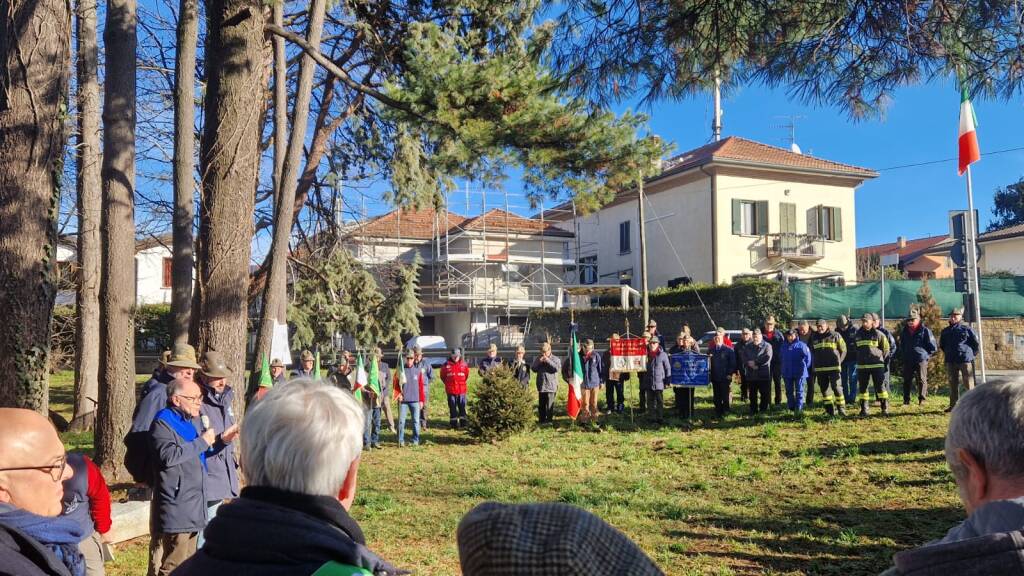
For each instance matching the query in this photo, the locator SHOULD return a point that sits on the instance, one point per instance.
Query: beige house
(733, 208)
(480, 276)
(1003, 250)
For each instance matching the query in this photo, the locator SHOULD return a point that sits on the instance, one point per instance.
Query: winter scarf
(60, 535)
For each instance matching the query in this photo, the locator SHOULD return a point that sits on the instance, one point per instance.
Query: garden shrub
(500, 407)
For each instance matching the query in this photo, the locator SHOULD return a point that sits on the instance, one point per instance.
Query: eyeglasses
(193, 399)
(56, 470)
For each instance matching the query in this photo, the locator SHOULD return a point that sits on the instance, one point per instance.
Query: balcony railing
(791, 246)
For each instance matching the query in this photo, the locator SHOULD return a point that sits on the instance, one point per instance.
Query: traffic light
(960, 280)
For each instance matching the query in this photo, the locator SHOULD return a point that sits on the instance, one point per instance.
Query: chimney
(901, 242)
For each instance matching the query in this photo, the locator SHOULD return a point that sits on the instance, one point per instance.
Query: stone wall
(1003, 339)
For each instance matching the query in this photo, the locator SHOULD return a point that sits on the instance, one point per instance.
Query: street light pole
(643, 250)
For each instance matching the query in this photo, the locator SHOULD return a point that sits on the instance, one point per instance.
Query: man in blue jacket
(217, 414)
(959, 345)
(916, 346)
(795, 366)
(179, 493)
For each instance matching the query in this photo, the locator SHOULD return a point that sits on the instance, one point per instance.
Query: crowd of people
(291, 517)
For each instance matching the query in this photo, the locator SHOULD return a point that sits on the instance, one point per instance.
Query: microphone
(206, 422)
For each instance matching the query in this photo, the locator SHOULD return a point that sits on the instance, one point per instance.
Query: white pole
(972, 265)
(716, 124)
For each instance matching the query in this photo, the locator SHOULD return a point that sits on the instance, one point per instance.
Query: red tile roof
(912, 246)
(419, 225)
(499, 220)
(1003, 233)
(743, 151)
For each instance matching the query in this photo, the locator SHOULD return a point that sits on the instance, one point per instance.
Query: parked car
(705, 340)
(435, 349)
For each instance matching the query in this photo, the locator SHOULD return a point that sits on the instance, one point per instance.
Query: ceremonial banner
(279, 349)
(628, 355)
(689, 369)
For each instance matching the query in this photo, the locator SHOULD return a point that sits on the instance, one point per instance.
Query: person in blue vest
(179, 490)
(795, 366)
(217, 411)
(916, 346)
(292, 516)
(959, 345)
(87, 501)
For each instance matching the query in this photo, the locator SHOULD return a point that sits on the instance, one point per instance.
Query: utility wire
(993, 153)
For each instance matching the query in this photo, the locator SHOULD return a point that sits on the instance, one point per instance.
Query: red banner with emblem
(628, 355)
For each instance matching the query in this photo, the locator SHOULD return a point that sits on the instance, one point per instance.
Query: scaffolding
(501, 265)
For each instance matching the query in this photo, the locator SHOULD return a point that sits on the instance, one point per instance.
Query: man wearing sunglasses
(179, 493)
(33, 539)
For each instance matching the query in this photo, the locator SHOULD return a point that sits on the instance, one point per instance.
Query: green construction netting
(1000, 297)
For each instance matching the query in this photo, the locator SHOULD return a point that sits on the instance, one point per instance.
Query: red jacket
(454, 375)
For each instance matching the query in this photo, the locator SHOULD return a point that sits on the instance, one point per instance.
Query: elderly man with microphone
(180, 469)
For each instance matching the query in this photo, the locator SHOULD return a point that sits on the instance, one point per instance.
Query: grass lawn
(767, 495)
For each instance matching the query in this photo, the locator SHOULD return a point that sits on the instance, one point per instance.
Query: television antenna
(789, 124)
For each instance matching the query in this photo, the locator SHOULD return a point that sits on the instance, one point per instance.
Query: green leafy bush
(500, 407)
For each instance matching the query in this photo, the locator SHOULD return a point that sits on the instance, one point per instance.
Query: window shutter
(168, 266)
(787, 217)
(812, 221)
(737, 217)
(761, 217)
(837, 224)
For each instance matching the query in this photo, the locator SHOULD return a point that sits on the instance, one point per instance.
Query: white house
(152, 270)
(730, 209)
(480, 276)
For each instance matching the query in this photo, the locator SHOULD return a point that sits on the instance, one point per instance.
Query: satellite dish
(795, 148)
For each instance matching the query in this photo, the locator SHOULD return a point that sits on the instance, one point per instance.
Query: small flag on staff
(373, 380)
(576, 379)
(265, 380)
(360, 382)
(316, 367)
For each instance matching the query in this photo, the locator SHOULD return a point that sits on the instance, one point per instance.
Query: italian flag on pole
(361, 379)
(968, 136)
(576, 379)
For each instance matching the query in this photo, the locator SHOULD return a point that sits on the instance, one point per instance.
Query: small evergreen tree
(500, 407)
(931, 317)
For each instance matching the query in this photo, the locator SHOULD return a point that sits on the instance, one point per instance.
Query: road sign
(891, 259)
(958, 254)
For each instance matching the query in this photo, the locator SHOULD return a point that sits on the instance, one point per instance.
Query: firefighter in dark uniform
(872, 350)
(829, 349)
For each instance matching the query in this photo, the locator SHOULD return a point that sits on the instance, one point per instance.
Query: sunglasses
(55, 470)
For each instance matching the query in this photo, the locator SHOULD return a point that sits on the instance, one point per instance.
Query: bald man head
(32, 462)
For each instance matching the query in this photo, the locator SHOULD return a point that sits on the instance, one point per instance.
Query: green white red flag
(968, 137)
(575, 379)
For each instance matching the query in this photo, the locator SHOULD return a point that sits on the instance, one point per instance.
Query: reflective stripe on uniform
(828, 400)
(868, 343)
(827, 369)
(883, 395)
(869, 366)
(823, 344)
(862, 397)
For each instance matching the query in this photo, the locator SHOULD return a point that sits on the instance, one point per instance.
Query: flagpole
(972, 262)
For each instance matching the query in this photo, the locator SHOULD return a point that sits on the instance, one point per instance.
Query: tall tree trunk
(35, 63)
(90, 201)
(276, 292)
(229, 164)
(117, 287)
(184, 183)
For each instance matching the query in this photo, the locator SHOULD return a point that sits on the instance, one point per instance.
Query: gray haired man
(985, 454)
(300, 452)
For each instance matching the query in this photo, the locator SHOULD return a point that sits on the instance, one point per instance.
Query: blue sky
(920, 125)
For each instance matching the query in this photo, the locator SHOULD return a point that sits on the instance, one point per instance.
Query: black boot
(885, 407)
(863, 408)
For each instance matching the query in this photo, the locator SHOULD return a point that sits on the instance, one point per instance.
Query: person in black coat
(615, 383)
(775, 339)
(34, 539)
(916, 347)
(722, 368)
(292, 517)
